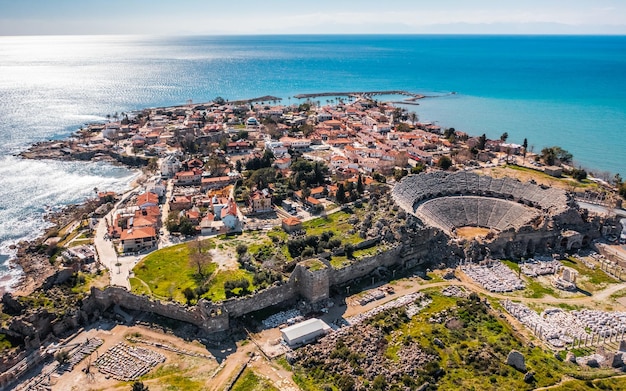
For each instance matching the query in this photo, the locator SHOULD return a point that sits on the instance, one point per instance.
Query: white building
(170, 166)
(304, 332)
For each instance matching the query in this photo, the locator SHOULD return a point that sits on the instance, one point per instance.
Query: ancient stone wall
(266, 298)
(210, 318)
(365, 266)
(611, 254)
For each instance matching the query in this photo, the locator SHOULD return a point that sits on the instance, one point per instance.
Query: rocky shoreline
(67, 150)
(33, 256)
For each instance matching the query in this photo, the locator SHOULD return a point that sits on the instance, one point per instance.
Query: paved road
(119, 268)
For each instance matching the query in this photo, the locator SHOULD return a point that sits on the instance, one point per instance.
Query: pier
(412, 96)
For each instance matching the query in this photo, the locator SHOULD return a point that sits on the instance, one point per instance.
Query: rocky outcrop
(516, 360)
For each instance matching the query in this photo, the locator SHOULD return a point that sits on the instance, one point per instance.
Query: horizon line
(324, 34)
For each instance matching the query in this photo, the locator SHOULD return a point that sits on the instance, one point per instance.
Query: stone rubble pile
(291, 316)
(495, 277)
(85, 349)
(366, 346)
(399, 302)
(373, 295)
(124, 362)
(588, 263)
(454, 291)
(561, 328)
(534, 268)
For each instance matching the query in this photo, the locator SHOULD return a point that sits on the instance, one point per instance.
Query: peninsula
(400, 253)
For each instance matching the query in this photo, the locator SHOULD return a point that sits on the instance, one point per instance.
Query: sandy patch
(471, 232)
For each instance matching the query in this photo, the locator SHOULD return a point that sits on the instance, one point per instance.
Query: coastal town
(296, 222)
(206, 155)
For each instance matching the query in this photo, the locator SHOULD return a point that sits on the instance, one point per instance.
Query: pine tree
(341, 194)
(359, 185)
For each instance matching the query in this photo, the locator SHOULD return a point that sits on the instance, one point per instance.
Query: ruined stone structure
(313, 285)
(523, 218)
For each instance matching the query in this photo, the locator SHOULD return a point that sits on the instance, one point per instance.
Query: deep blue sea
(553, 90)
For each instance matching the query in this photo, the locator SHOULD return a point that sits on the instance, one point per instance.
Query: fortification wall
(207, 316)
(266, 298)
(365, 266)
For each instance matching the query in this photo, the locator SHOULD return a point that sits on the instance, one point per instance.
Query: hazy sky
(35, 17)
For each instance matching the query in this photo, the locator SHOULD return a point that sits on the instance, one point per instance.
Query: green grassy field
(589, 279)
(250, 381)
(336, 223)
(167, 272)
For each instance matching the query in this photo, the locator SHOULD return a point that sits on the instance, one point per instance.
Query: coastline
(29, 262)
(34, 263)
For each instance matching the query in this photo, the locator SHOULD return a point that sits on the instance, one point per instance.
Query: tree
(349, 249)
(341, 194)
(482, 140)
(139, 386)
(186, 227)
(241, 249)
(525, 146)
(62, 356)
(551, 155)
(189, 294)
(399, 174)
(242, 135)
(449, 134)
(307, 129)
(219, 100)
(548, 156)
(504, 137)
(359, 184)
(563, 155)
(261, 178)
(419, 167)
(579, 174)
(444, 162)
(199, 257)
(413, 117)
(403, 127)
(378, 177)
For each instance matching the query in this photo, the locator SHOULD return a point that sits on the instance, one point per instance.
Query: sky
(197, 17)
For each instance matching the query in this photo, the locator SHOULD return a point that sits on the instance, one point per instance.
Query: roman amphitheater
(516, 218)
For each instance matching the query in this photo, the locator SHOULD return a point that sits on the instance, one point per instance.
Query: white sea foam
(29, 189)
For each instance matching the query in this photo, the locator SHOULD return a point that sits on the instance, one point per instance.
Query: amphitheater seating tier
(483, 202)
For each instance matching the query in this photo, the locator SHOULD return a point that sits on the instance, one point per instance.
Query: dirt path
(229, 367)
(280, 377)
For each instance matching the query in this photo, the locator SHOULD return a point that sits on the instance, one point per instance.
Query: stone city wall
(365, 266)
(312, 285)
(208, 317)
(266, 298)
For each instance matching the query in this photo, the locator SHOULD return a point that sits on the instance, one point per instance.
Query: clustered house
(208, 151)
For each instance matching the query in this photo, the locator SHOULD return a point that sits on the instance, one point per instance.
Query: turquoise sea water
(554, 90)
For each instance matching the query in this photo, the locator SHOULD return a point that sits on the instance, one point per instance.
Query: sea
(568, 91)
